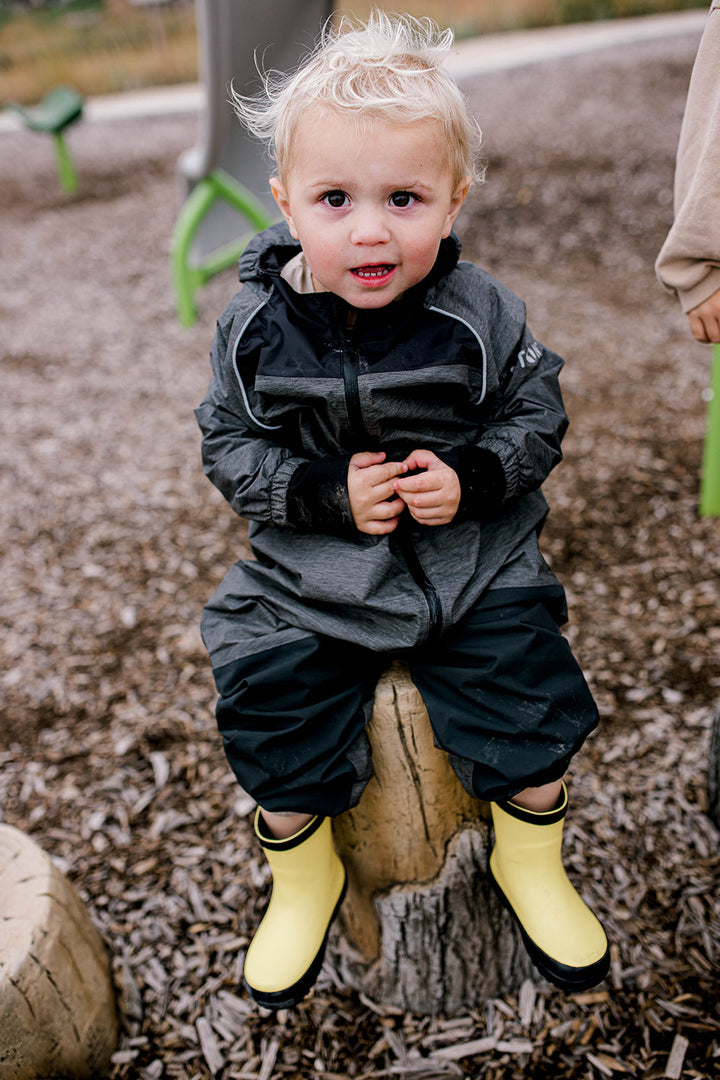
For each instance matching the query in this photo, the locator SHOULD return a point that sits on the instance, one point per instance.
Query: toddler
(384, 419)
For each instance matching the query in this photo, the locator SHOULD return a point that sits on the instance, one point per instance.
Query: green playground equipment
(710, 479)
(57, 110)
(224, 177)
(189, 276)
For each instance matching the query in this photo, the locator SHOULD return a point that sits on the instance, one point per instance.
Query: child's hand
(432, 496)
(373, 502)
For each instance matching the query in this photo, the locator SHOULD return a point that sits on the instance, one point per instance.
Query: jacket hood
(269, 251)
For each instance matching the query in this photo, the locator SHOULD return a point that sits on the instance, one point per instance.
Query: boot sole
(293, 995)
(565, 977)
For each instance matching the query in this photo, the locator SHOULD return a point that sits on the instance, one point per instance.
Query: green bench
(57, 110)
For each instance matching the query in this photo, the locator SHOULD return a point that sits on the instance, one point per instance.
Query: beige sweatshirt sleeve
(689, 261)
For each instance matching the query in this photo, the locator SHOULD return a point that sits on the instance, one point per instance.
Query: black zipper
(350, 365)
(417, 572)
(360, 437)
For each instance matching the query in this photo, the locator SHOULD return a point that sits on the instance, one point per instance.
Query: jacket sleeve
(689, 260)
(248, 460)
(520, 442)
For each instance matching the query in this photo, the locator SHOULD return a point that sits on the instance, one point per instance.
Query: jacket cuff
(317, 496)
(482, 480)
(691, 297)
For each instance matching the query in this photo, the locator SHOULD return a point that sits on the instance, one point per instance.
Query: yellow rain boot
(565, 940)
(286, 954)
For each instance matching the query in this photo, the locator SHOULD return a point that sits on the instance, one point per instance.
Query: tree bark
(423, 929)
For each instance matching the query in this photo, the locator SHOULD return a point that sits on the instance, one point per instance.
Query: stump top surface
(25, 874)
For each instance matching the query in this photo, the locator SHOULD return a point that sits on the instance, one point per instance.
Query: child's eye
(402, 199)
(335, 199)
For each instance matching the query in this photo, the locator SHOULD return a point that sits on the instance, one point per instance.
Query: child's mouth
(374, 274)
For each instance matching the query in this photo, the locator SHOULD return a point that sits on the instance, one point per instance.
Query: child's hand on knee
(433, 495)
(374, 504)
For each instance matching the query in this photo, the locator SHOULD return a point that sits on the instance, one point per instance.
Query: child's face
(369, 210)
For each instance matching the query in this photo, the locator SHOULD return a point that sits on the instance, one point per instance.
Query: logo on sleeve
(531, 355)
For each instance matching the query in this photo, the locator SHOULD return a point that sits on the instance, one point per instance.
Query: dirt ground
(113, 540)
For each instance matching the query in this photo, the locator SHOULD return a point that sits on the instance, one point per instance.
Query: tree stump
(423, 930)
(57, 1003)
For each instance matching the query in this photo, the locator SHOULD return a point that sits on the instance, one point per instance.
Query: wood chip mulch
(113, 540)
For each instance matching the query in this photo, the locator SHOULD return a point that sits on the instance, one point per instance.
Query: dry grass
(97, 50)
(469, 17)
(107, 48)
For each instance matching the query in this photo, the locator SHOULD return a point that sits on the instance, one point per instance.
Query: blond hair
(389, 68)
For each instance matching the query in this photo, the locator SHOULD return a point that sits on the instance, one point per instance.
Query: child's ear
(458, 198)
(281, 198)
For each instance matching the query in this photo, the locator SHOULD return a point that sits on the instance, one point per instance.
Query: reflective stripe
(481, 343)
(243, 391)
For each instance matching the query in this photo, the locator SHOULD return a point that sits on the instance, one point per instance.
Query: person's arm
(521, 442)
(689, 260)
(518, 448)
(247, 459)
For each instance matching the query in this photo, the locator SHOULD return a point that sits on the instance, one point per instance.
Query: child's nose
(368, 227)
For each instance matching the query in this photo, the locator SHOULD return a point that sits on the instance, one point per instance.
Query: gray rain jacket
(301, 382)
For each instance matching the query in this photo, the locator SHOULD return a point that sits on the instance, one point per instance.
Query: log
(57, 1004)
(422, 928)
